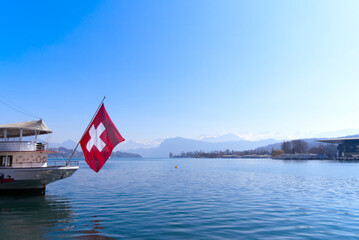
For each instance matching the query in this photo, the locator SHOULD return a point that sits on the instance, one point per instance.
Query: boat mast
(73, 152)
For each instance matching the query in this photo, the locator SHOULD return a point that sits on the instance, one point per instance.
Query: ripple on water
(201, 199)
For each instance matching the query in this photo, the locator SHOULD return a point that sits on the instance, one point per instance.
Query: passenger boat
(23, 159)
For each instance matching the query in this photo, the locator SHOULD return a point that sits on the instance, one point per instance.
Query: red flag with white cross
(99, 140)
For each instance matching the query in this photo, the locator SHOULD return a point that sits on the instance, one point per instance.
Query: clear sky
(182, 68)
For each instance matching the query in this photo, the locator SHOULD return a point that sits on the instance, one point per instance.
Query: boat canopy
(23, 129)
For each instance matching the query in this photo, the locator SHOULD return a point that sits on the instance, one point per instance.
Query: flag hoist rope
(73, 152)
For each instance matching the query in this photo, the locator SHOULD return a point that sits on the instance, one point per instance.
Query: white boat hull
(33, 179)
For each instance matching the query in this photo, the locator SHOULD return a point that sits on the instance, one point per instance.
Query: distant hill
(69, 144)
(66, 153)
(178, 145)
(312, 142)
(131, 144)
(344, 132)
(123, 147)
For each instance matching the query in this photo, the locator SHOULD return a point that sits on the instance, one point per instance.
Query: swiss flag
(99, 140)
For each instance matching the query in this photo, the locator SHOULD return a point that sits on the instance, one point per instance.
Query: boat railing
(48, 164)
(22, 146)
(60, 163)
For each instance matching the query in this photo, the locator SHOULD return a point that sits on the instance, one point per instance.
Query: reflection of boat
(34, 217)
(25, 161)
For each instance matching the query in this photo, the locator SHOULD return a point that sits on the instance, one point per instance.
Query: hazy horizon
(131, 144)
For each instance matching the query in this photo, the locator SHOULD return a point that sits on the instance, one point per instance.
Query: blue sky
(182, 68)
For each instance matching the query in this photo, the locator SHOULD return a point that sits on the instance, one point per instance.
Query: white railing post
(21, 131)
(20, 139)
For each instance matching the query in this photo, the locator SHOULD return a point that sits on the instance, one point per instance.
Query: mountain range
(162, 148)
(177, 145)
(69, 144)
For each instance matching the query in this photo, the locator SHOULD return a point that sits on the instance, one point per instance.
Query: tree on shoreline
(276, 153)
(287, 147)
(295, 146)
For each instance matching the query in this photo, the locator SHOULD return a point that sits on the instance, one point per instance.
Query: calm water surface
(201, 199)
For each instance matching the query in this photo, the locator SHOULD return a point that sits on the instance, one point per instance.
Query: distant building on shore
(301, 156)
(348, 148)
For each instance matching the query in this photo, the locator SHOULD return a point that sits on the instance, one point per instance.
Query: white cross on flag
(99, 140)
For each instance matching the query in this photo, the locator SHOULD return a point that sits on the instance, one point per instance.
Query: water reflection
(32, 216)
(93, 230)
(39, 217)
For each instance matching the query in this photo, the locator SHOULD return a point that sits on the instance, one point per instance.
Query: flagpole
(73, 152)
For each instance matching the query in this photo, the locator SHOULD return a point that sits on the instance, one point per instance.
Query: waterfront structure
(23, 159)
(300, 156)
(347, 148)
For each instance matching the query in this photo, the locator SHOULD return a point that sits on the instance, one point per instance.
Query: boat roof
(338, 140)
(28, 129)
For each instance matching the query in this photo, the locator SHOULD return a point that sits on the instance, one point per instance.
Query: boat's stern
(35, 179)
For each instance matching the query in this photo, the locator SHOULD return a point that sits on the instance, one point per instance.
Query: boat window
(2, 161)
(9, 161)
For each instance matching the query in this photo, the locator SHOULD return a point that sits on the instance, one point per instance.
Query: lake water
(200, 199)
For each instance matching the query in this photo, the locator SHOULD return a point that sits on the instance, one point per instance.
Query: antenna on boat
(73, 152)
